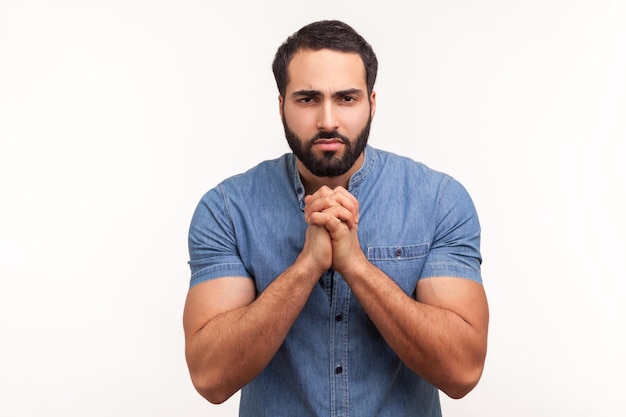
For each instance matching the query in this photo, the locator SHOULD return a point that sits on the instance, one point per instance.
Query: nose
(327, 118)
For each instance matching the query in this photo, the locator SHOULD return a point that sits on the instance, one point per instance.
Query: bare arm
(441, 335)
(231, 336)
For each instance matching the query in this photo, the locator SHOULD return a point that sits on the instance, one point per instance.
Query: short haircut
(325, 34)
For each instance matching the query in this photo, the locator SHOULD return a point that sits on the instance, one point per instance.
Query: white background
(116, 116)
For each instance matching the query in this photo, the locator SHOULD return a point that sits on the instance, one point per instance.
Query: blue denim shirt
(414, 223)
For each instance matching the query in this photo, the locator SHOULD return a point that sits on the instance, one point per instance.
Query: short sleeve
(455, 249)
(212, 243)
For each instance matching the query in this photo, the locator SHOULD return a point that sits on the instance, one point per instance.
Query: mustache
(329, 135)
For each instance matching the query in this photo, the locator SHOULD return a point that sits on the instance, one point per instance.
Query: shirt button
(338, 369)
(339, 317)
(398, 252)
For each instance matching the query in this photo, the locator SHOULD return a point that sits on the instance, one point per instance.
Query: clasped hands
(333, 217)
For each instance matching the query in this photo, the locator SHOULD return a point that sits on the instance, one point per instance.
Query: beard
(329, 164)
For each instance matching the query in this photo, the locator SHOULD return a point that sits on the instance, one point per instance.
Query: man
(339, 280)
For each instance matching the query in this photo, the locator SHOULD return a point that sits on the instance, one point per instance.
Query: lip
(328, 144)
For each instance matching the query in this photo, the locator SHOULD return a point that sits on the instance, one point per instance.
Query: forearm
(434, 342)
(441, 335)
(235, 346)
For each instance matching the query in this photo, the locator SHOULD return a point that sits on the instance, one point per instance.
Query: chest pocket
(403, 264)
(397, 253)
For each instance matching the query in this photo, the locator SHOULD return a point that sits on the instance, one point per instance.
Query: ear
(372, 104)
(280, 105)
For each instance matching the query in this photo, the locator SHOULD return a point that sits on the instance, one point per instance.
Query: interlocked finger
(339, 202)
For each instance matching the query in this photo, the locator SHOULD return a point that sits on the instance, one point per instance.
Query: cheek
(356, 122)
(301, 122)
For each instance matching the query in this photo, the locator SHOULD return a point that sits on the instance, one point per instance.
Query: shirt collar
(356, 178)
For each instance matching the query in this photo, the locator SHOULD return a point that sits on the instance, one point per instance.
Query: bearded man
(339, 279)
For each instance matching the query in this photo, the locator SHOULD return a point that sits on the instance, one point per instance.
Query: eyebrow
(340, 93)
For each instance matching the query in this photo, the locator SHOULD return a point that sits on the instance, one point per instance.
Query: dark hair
(325, 34)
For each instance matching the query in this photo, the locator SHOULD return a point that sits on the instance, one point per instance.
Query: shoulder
(265, 176)
(402, 177)
(390, 159)
(265, 171)
(406, 170)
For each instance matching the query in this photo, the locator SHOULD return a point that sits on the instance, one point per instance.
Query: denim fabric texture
(414, 223)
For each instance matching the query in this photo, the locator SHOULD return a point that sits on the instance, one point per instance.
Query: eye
(348, 99)
(306, 100)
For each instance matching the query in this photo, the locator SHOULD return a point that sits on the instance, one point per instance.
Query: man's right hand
(317, 249)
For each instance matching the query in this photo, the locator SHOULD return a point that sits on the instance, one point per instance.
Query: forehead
(325, 70)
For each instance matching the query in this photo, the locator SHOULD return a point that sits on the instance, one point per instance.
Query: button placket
(339, 346)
